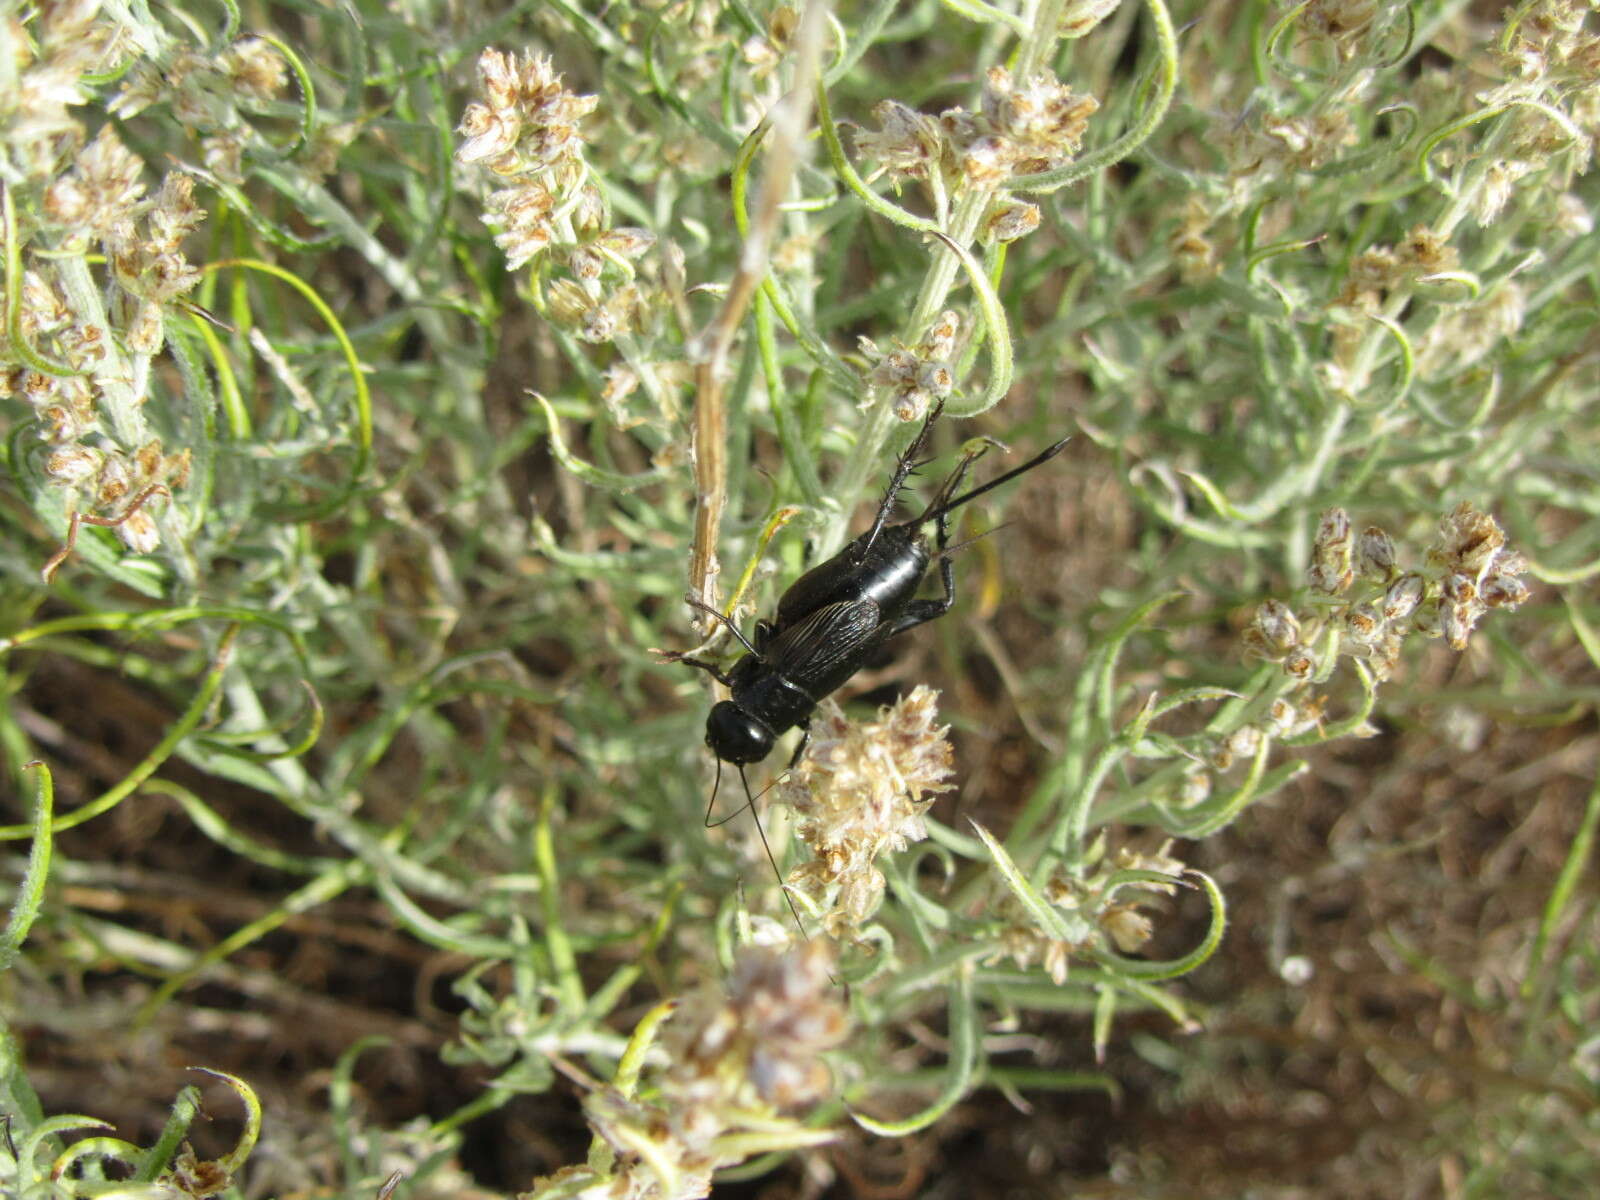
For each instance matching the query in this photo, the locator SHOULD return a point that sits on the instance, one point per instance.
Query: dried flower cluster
(210, 95)
(1016, 131)
(1364, 605)
(99, 203)
(970, 161)
(66, 43)
(782, 1011)
(83, 362)
(1548, 64)
(1267, 144)
(1098, 909)
(1343, 24)
(1271, 146)
(526, 131)
(1381, 270)
(856, 792)
(1551, 89)
(736, 1059)
(1467, 572)
(916, 376)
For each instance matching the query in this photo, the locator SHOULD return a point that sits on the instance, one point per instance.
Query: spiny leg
(902, 469)
(920, 612)
(940, 504)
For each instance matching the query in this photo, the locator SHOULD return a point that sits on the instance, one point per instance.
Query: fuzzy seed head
(101, 191)
(524, 217)
(1299, 664)
(1128, 928)
(1363, 623)
(1034, 127)
(1403, 596)
(73, 464)
(1375, 554)
(146, 331)
(43, 310)
(1468, 541)
(936, 378)
(1456, 622)
(908, 144)
(1504, 591)
(255, 67)
(1283, 718)
(941, 340)
(1244, 742)
(1273, 632)
(528, 122)
(1330, 570)
(1459, 589)
(1010, 222)
(787, 1005)
(627, 241)
(768, 1031)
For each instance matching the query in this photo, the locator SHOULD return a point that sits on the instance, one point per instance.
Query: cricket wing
(823, 649)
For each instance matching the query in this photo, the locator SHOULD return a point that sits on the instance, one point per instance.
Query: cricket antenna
(951, 551)
(939, 508)
(750, 802)
(715, 785)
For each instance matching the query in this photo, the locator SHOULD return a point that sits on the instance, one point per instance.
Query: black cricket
(837, 614)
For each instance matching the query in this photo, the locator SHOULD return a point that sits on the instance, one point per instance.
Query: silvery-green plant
(378, 379)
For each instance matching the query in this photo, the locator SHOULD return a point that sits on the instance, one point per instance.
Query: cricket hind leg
(920, 612)
(940, 507)
(903, 467)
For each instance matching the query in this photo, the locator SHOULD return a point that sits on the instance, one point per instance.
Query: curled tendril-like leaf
(1166, 83)
(963, 1019)
(610, 481)
(997, 331)
(1149, 972)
